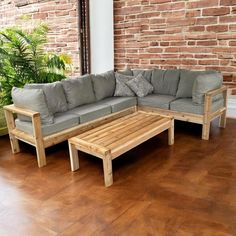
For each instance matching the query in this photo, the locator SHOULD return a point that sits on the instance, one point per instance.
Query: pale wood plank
(171, 137)
(107, 169)
(119, 131)
(12, 108)
(108, 140)
(223, 118)
(11, 126)
(90, 147)
(53, 139)
(25, 137)
(206, 117)
(111, 125)
(41, 157)
(74, 158)
(214, 92)
(136, 139)
(189, 117)
(107, 125)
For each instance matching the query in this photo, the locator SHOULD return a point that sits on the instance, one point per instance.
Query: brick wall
(60, 15)
(195, 35)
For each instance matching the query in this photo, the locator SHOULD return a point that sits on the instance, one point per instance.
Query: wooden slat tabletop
(123, 133)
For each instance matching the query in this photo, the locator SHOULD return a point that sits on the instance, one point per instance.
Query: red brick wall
(60, 15)
(195, 35)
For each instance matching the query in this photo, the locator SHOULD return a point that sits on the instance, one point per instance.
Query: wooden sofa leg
(222, 122)
(39, 144)
(41, 157)
(206, 131)
(11, 125)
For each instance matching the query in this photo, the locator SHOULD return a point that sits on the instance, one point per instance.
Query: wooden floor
(185, 189)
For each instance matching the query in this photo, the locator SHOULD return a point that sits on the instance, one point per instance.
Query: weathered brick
(217, 11)
(217, 28)
(61, 17)
(202, 3)
(227, 2)
(197, 34)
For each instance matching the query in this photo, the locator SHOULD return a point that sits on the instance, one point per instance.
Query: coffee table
(114, 138)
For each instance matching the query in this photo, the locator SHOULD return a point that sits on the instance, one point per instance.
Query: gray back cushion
(127, 71)
(186, 82)
(204, 83)
(54, 94)
(79, 91)
(147, 74)
(32, 99)
(104, 85)
(165, 81)
(122, 90)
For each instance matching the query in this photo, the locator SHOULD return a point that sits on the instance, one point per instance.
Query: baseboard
(231, 108)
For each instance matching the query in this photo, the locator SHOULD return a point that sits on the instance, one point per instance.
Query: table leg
(107, 169)
(74, 158)
(171, 136)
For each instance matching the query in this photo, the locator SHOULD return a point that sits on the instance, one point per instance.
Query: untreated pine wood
(171, 130)
(11, 126)
(40, 149)
(177, 115)
(222, 122)
(64, 135)
(74, 158)
(119, 137)
(206, 118)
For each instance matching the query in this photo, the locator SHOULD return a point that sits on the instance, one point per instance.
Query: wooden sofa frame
(40, 143)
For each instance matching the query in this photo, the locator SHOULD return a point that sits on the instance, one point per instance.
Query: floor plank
(185, 189)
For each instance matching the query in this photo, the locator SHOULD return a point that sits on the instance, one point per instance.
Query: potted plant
(23, 59)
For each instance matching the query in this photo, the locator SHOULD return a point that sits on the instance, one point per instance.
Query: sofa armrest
(215, 92)
(13, 109)
(208, 100)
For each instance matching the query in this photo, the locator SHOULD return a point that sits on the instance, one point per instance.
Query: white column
(101, 35)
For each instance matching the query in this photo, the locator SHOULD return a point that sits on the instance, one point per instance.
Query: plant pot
(3, 124)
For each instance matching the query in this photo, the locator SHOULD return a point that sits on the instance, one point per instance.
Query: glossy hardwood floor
(186, 189)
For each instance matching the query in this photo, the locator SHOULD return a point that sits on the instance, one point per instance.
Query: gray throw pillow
(54, 94)
(165, 81)
(147, 74)
(140, 86)
(205, 83)
(32, 99)
(122, 90)
(104, 85)
(79, 91)
(186, 82)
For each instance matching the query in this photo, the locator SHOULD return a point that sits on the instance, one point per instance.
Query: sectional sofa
(48, 114)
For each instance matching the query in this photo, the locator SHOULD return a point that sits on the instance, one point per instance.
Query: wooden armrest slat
(214, 92)
(12, 108)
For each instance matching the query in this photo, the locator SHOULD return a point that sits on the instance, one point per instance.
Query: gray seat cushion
(147, 74)
(91, 112)
(104, 85)
(203, 84)
(54, 94)
(187, 105)
(119, 103)
(186, 82)
(79, 91)
(62, 121)
(32, 99)
(165, 81)
(156, 100)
